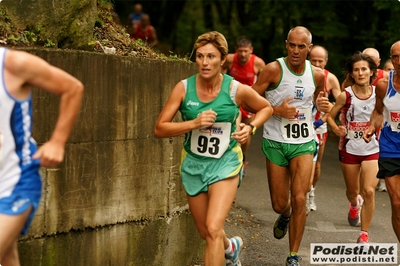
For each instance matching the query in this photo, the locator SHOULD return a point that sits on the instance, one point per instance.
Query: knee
(214, 231)
(298, 202)
(368, 194)
(279, 206)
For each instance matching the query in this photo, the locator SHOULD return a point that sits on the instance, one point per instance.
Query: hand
(50, 154)
(206, 119)
(367, 136)
(287, 110)
(340, 131)
(242, 134)
(323, 103)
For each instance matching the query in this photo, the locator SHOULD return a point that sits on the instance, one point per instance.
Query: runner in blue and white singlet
(389, 139)
(19, 173)
(20, 158)
(387, 110)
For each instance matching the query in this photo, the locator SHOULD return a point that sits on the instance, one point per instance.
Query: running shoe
(354, 213)
(293, 260)
(281, 226)
(237, 248)
(382, 185)
(313, 207)
(363, 238)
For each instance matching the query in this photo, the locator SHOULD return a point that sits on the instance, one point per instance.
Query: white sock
(229, 250)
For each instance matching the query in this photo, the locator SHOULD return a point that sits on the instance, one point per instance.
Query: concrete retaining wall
(117, 199)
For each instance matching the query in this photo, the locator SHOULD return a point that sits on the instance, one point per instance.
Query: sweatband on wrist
(318, 123)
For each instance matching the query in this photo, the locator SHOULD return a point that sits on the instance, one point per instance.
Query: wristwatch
(253, 129)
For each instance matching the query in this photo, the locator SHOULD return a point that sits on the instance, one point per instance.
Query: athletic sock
(292, 253)
(229, 251)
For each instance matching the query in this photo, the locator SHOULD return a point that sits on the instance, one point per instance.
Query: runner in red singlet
(244, 66)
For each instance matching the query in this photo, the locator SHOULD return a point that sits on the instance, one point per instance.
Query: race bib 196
(299, 127)
(212, 141)
(395, 121)
(356, 129)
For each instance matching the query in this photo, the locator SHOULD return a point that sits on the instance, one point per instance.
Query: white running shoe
(313, 206)
(382, 185)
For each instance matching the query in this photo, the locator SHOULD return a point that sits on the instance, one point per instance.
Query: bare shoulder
(381, 87)
(259, 64)
(332, 77)
(228, 63)
(318, 72)
(23, 64)
(15, 60)
(272, 68)
(229, 58)
(385, 74)
(268, 77)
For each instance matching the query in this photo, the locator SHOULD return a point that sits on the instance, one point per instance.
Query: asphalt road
(252, 216)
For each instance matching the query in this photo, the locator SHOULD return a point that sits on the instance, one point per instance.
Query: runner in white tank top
(301, 88)
(291, 85)
(359, 160)
(20, 183)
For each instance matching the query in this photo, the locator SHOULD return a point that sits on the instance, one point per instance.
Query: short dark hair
(243, 41)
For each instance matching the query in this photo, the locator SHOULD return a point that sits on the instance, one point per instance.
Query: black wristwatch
(253, 128)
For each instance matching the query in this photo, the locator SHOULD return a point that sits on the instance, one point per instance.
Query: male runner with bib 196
(292, 86)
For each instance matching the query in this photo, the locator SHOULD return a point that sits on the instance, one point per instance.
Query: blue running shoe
(281, 226)
(237, 248)
(293, 260)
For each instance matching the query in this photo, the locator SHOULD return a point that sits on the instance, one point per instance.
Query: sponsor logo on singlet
(192, 103)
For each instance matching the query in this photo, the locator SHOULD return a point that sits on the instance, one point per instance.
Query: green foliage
(30, 36)
(48, 43)
(342, 27)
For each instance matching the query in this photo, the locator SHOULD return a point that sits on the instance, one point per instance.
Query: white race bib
(395, 121)
(212, 141)
(355, 129)
(298, 128)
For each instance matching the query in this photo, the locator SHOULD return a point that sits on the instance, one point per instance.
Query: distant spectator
(145, 31)
(388, 65)
(134, 18)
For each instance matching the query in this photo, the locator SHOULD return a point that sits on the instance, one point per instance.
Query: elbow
(78, 88)
(158, 132)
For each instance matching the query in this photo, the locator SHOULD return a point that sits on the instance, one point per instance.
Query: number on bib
(355, 129)
(299, 128)
(212, 141)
